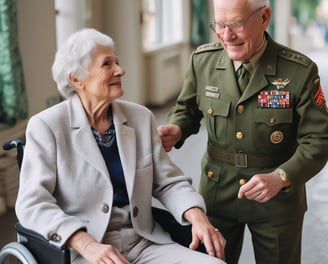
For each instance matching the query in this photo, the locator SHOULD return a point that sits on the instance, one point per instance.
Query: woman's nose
(120, 71)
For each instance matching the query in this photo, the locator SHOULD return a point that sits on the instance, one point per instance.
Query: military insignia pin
(280, 83)
(276, 137)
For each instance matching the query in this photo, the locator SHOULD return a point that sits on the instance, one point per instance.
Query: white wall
(37, 40)
(122, 22)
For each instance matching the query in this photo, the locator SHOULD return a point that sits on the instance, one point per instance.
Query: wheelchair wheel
(18, 251)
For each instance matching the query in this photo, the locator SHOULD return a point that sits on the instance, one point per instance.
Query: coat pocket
(216, 113)
(273, 129)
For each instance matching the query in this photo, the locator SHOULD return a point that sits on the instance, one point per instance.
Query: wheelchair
(32, 248)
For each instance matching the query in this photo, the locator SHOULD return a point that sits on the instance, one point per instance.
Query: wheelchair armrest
(179, 233)
(41, 249)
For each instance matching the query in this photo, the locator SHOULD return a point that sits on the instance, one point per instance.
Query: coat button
(210, 111)
(239, 135)
(104, 208)
(55, 237)
(240, 109)
(210, 174)
(135, 211)
(272, 120)
(242, 181)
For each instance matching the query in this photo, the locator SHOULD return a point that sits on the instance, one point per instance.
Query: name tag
(211, 88)
(212, 95)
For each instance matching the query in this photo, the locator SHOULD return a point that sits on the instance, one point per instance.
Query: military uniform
(280, 120)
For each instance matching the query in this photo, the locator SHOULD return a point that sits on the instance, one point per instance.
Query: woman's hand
(204, 232)
(93, 251)
(96, 252)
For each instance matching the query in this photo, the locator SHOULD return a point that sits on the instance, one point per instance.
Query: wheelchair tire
(19, 251)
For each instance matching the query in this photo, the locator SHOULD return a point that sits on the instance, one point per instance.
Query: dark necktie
(243, 77)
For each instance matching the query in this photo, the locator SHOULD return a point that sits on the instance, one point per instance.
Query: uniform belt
(245, 160)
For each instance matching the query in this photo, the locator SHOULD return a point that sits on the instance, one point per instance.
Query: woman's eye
(107, 63)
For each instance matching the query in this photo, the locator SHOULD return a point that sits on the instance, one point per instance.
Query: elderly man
(267, 124)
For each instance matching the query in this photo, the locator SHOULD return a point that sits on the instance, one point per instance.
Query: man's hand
(262, 187)
(204, 232)
(170, 135)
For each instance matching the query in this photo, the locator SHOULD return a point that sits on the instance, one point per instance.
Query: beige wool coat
(65, 184)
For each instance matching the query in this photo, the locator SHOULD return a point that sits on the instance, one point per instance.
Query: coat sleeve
(171, 186)
(312, 131)
(36, 206)
(186, 113)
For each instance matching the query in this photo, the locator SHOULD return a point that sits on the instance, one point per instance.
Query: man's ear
(75, 81)
(266, 15)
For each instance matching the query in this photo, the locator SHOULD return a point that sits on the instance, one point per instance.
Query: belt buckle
(240, 160)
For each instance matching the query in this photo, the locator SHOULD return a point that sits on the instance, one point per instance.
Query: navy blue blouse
(108, 147)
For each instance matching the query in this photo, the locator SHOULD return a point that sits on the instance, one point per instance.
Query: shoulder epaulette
(208, 47)
(294, 56)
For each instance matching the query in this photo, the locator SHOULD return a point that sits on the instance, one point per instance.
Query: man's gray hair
(259, 3)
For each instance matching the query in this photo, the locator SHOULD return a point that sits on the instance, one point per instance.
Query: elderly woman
(93, 163)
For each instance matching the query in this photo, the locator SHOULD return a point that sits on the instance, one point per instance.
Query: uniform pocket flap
(273, 117)
(216, 108)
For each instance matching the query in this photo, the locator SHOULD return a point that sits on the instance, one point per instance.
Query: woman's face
(104, 77)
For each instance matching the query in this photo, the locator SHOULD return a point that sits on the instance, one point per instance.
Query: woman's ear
(75, 81)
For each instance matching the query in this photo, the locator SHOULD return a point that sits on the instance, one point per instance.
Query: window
(162, 23)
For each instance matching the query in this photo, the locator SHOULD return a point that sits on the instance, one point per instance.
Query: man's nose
(228, 34)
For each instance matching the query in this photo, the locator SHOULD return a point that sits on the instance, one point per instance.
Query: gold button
(240, 109)
(239, 135)
(210, 111)
(272, 120)
(242, 181)
(56, 237)
(210, 174)
(104, 208)
(135, 211)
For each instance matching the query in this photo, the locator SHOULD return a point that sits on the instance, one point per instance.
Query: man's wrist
(283, 177)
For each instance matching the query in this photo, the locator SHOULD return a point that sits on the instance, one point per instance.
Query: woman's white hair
(75, 56)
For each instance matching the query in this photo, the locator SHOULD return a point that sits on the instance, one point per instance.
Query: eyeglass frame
(233, 25)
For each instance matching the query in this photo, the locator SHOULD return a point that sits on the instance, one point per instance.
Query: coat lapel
(83, 139)
(126, 143)
(226, 75)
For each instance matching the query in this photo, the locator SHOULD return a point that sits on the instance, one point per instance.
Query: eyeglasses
(236, 27)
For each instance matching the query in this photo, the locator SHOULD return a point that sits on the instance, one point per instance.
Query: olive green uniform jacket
(293, 133)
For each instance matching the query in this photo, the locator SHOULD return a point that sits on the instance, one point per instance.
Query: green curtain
(200, 21)
(271, 28)
(13, 100)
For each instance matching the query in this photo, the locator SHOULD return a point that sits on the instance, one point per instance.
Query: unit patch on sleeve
(319, 98)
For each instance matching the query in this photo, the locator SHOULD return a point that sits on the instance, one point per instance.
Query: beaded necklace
(108, 138)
